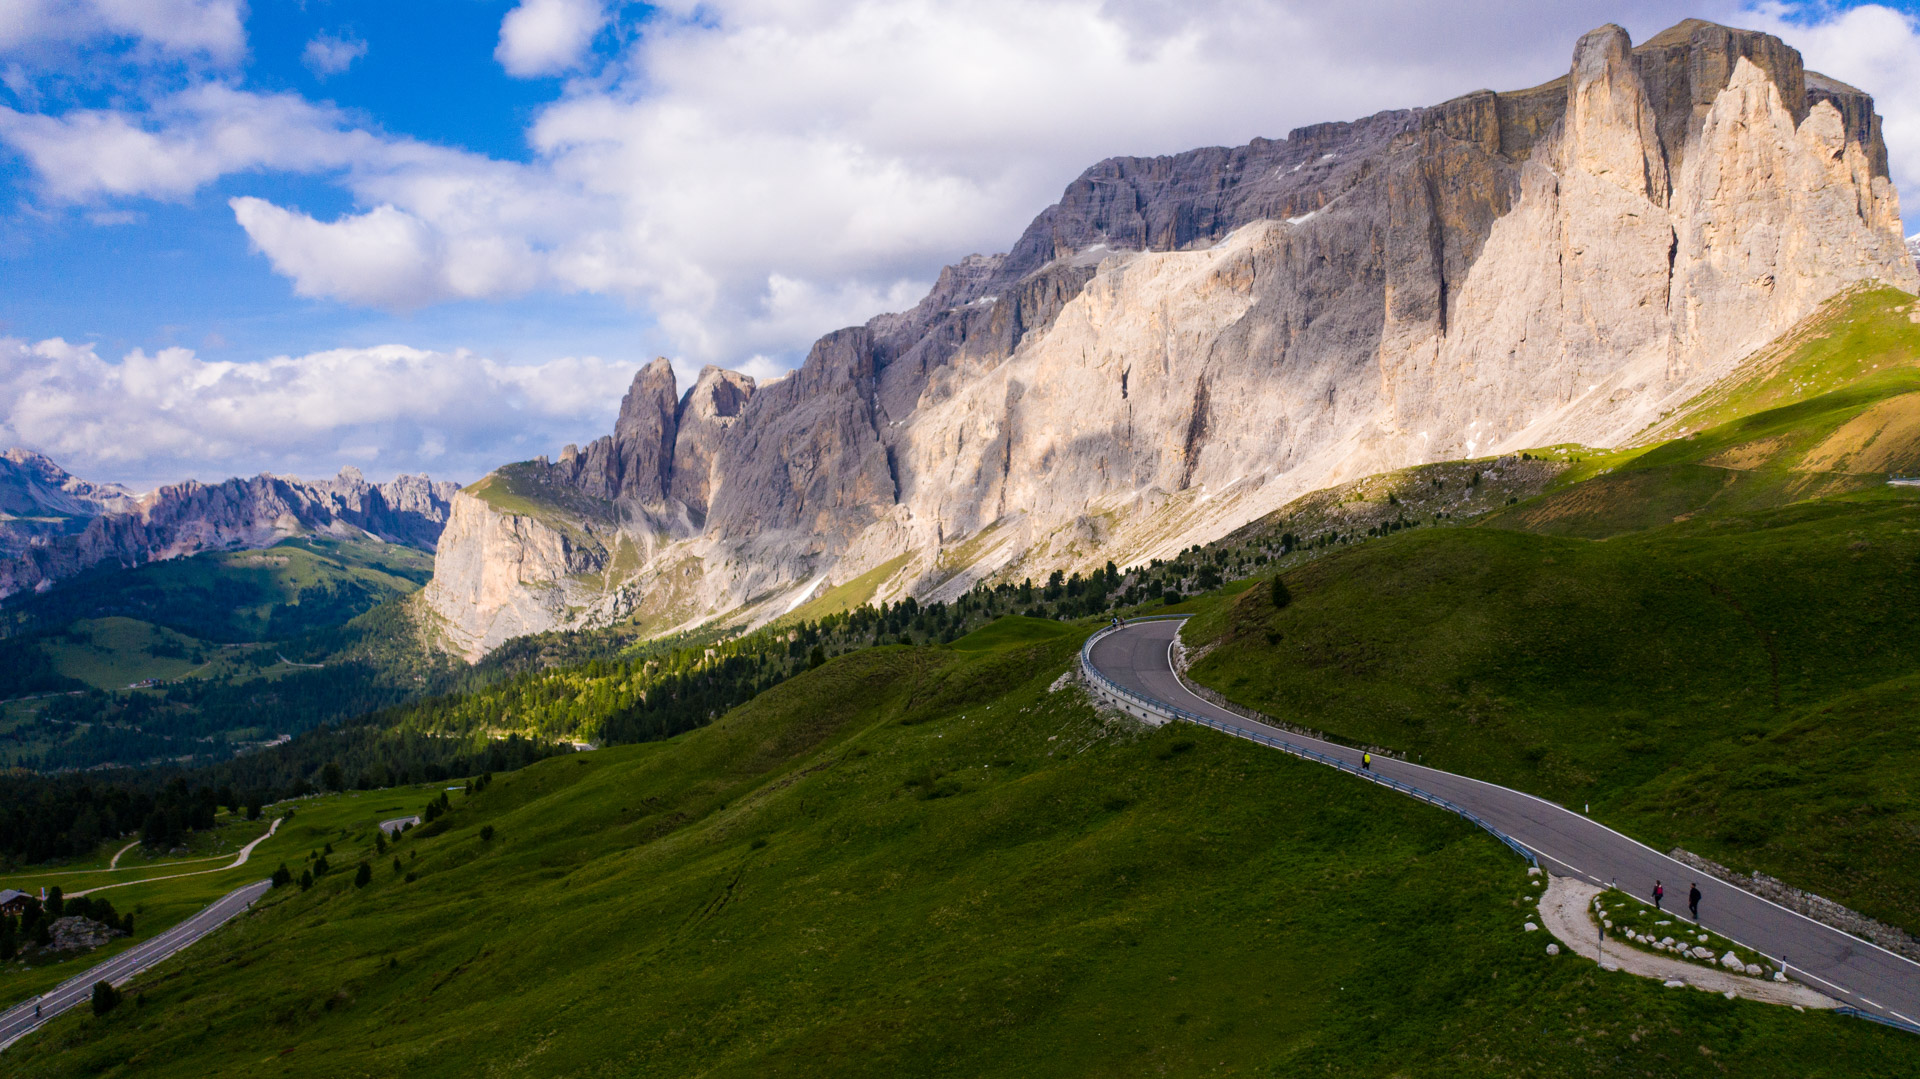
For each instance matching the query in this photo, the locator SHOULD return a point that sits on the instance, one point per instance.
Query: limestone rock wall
(1184, 343)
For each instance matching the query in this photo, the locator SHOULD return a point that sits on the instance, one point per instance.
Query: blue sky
(441, 234)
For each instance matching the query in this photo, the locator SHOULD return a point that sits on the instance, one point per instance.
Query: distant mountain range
(54, 525)
(1183, 344)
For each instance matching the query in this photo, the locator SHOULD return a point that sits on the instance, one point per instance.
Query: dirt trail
(1566, 911)
(245, 853)
(115, 864)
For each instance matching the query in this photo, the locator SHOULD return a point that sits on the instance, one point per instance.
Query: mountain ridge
(1183, 343)
(54, 525)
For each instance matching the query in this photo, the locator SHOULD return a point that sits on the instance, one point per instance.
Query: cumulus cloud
(328, 55)
(756, 172)
(185, 141)
(208, 28)
(157, 417)
(546, 37)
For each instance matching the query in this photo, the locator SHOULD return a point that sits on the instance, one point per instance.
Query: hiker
(1366, 761)
(1659, 893)
(1693, 901)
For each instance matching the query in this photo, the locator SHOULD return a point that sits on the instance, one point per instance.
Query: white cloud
(547, 37)
(187, 140)
(209, 28)
(756, 172)
(329, 55)
(158, 417)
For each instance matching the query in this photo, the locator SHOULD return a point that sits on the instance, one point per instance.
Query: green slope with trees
(923, 860)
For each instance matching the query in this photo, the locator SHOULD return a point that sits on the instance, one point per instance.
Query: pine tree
(363, 876)
(1281, 597)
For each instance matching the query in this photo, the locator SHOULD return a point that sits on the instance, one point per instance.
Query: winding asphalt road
(20, 1021)
(1138, 659)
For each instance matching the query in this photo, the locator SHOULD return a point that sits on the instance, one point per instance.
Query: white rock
(1754, 969)
(1668, 941)
(1553, 949)
(1533, 871)
(1729, 994)
(1609, 967)
(1798, 1008)
(1732, 962)
(1663, 922)
(1608, 921)
(1530, 927)
(1779, 975)
(1674, 983)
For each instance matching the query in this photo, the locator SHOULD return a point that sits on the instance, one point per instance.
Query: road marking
(1871, 1003)
(1897, 1015)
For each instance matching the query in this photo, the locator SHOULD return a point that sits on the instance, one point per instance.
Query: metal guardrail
(1175, 712)
(1848, 1009)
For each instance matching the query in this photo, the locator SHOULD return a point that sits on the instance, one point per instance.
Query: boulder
(1553, 949)
(1530, 927)
(1732, 962)
(1674, 983)
(1753, 969)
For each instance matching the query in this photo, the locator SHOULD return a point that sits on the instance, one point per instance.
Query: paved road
(1853, 971)
(20, 1021)
(397, 823)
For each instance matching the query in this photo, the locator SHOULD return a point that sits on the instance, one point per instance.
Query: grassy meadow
(922, 861)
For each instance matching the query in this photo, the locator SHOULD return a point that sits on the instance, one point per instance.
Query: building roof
(8, 895)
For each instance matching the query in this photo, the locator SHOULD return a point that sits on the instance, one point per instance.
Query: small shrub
(486, 833)
(105, 998)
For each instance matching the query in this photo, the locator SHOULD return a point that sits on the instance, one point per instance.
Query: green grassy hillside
(274, 594)
(1714, 641)
(918, 861)
(245, 645)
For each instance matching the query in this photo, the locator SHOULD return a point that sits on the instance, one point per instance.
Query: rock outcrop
(105, 524)
(1184, 343)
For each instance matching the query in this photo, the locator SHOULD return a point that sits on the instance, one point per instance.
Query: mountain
(1185, 343)
(40, 500)
(54, 525)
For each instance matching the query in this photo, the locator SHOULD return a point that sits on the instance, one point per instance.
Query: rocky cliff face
(82, 525)
(1184, 343)
(39, 501)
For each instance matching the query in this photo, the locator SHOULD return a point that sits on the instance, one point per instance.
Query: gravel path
(245, 853)
(1567, 912)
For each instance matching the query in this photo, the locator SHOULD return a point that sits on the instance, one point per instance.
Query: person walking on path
(1659, 893)
(1693, 901)
(1366, 761)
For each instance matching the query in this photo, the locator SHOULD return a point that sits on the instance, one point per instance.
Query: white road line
(1897, 1015)
(1872, 1003)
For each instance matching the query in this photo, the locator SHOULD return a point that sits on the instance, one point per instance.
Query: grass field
(920, 861)
(346, 820)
